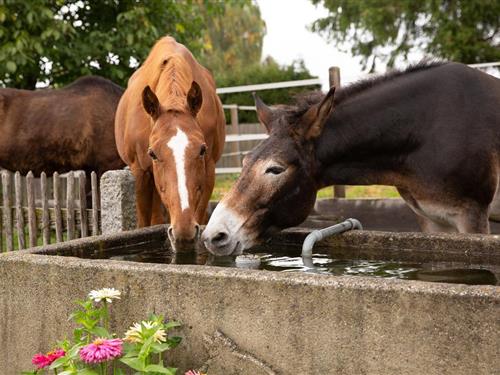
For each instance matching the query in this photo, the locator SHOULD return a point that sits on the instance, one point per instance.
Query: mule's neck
(369, 137)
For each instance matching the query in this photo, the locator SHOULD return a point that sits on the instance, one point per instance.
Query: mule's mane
(304, 101)
(174, 83)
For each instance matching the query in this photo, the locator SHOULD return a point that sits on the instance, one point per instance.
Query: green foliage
(466, 31)
(265, 72)
(233, 36)
(59, 41)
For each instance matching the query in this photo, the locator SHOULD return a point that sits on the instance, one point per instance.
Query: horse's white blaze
(178, 144)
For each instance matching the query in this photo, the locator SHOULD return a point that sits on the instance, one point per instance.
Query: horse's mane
(303, 102)
(174, 83)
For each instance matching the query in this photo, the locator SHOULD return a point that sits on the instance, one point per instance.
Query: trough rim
(40, 256)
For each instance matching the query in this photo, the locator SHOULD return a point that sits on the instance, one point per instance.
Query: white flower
(138, 332)
(107, 294)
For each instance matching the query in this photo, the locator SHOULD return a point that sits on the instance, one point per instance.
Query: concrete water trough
(242, 321)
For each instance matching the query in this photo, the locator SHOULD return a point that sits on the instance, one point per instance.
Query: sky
(288, 39)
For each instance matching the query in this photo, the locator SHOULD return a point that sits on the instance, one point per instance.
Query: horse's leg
(144, 187)
(158, 212)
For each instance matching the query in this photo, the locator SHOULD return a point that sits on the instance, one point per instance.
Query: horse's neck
(368, 137)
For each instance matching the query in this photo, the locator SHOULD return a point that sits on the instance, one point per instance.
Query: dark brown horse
(433, 131)
(60, 130)
(170, 130)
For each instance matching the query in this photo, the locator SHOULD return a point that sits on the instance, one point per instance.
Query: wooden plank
(7, 210)
(95, 204)
(334, 79)
(83, 205)
(70, 205)
(228, 170)
(32, 228)
(18, 188)
(269, 86)
(45, 209)
(57, 207)
(235, 146)
(245, 137)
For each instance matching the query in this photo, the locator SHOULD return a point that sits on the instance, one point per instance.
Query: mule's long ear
(316, 117)
(264, 113)
(150, 102)
(194, 98)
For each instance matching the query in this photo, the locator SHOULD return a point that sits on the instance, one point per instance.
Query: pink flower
(193, 372)
(43, 360)
(101, 350)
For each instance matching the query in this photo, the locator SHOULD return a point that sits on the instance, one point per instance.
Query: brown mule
(170, 130)
(433, 131)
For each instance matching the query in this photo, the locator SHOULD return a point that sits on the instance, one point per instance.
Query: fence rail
(56, 215)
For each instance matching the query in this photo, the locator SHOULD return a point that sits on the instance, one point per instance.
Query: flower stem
(102, 368)
(106, 315)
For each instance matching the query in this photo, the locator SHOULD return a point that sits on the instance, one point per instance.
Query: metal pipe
(318, 235)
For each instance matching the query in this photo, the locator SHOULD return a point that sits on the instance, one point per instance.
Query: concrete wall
(254, 322)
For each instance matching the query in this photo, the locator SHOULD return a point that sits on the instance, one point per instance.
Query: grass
(224, 182)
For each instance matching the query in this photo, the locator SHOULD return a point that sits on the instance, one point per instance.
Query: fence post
(45, 209)
(70, 205)
(235, 129)
(334, 80)
(32, 227)
(19, 211)
(117, 201)
(57, 207)
(7, 209)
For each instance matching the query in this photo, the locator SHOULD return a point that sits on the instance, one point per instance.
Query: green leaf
(100, 332)
(159, 369)
(67, 372)
(135, 363)
(59, 362)
(171, 325)
(86, 371)
(11, 66)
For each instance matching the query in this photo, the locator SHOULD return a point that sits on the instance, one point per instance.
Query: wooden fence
(46, 209)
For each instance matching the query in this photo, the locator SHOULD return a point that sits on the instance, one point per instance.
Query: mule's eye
(203, 150)
(275, 169)
(152, 154)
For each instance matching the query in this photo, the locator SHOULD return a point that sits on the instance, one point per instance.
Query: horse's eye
(152, 154)
(203, 150)
(275, 169)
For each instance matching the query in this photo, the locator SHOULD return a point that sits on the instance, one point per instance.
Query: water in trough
(285, 260)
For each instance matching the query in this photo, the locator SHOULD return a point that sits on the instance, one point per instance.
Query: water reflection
(320, 264)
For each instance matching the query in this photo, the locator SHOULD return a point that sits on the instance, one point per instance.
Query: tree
(466, 31)
(233, 37)
(57, 41)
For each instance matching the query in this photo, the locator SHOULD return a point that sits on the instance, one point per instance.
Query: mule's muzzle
(221, 243)
(184, 241)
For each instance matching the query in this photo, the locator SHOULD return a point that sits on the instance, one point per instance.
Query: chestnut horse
(170, 130)
(60, 130)
(433, 131)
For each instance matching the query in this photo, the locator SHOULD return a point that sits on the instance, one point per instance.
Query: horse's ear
(150, 102)
(316, 117)
(194, 98)
(264, 113)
